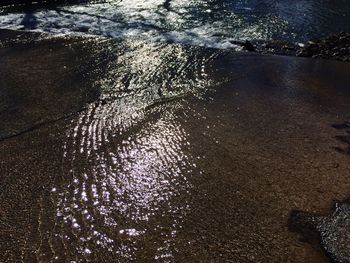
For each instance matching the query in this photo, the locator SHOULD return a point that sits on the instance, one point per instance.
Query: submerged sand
(119, 151)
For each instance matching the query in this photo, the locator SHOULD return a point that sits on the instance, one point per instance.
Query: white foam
(139, 20)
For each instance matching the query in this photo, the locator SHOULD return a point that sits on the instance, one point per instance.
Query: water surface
(197, 22)
(183, 153)
(189, 154)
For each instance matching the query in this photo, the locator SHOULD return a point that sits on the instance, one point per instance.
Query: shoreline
(333, 47)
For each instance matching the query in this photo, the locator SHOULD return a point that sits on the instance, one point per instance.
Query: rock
(330, 233)
(247, 45)
(335, 47)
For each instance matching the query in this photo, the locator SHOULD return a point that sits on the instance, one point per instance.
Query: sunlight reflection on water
(201, 23)
(125, 160)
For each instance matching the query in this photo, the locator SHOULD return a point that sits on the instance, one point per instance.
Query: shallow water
(186, 153)
(202, 23)
(189, 154)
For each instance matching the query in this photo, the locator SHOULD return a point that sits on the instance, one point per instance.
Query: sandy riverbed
(136, 151)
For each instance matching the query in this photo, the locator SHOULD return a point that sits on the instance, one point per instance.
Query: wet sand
(165, 152)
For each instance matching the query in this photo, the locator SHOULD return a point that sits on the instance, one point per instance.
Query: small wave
(52, 22)
(137, 23)
(199, 23)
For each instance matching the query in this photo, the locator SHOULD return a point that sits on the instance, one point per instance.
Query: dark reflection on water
(29, 21)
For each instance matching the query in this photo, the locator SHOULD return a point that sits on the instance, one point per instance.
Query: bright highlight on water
(202, 23)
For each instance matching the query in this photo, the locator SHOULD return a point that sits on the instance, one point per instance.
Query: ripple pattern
(125, 163)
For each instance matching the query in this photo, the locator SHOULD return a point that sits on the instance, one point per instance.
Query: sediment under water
(176, 154)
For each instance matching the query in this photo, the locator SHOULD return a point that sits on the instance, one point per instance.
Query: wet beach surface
(164, 152)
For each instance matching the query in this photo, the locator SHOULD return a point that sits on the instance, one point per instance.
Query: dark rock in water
(247, 45)
(331, 233)
(277, 47)
(336, 46)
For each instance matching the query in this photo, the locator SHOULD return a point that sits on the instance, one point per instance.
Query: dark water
(205, 23)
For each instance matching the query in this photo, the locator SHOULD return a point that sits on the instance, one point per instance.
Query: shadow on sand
(345, 139)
